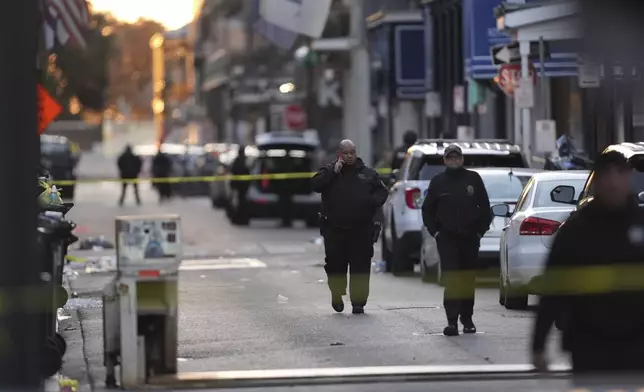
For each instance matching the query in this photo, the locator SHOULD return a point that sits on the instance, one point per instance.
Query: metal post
(524, 48)
(360, 81)
(542, 80)
(157, 45)
(129, 332)
(21, 331)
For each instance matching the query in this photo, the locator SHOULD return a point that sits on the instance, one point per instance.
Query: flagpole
(21, 333)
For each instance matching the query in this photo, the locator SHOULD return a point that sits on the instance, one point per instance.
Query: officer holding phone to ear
(352, 193)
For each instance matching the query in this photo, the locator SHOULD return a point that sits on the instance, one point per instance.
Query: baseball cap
(453, 148)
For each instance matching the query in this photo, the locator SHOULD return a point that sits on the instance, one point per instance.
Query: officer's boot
(452, 328)
(358, 309)
(337, 303)
(468, 324)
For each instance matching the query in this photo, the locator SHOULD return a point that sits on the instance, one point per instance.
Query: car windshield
(285, 159)
(504, 186)
(424, 169)
(542, 196)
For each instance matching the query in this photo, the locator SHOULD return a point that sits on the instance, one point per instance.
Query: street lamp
(156, 41)
(158, 82)
(287, 88)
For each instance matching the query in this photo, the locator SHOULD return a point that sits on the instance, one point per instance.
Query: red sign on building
(295, 117)
(509, 76)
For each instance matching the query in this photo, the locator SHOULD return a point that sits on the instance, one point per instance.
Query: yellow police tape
(176, 180)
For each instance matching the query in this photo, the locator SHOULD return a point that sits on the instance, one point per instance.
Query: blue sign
(409, 60)
(480, 34)
(429, 49)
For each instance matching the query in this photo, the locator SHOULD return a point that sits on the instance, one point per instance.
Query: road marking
(219, 264)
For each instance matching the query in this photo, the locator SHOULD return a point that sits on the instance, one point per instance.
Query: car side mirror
(564, 194)
(501, 210)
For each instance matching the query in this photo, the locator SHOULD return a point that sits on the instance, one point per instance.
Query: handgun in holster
(322, 220)
(377, 227)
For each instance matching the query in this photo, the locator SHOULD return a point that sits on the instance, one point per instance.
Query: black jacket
(351, 197)
(129, 165)
(457, 203)
(399, 156)
(593, 285)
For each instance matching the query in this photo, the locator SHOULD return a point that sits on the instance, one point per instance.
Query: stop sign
(294, 117)
(509, 76)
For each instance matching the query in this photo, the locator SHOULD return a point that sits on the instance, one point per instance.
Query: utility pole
(524, 49)
(21, 327)
(357, 100)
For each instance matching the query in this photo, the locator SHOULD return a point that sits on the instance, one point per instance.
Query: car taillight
(265, 181)
(538, 226)
(412, 198)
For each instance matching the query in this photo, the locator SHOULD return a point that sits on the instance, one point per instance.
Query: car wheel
(240, 220)
(401, 262)
(515, 299)
(386, 253)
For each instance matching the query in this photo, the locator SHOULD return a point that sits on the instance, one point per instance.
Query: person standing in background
(129, 166)
(161, 169)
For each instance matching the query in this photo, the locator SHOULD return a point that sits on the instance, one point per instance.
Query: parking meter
(140, 304)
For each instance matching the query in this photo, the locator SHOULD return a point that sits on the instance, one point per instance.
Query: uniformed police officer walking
(593, 283)
(351, 195)
(456, 212)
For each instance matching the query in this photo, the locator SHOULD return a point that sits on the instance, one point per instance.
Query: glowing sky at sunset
(171, 13)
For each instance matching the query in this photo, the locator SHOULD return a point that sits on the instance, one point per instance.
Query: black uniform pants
(352, 249)
(285, 203)
(136, 192)
(459, 262)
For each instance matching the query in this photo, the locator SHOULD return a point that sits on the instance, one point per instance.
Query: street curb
(75, 362)
(351, 375)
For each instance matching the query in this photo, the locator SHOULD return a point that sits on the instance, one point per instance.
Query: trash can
(54, 237)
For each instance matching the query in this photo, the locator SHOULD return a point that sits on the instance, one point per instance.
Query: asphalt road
(256, 298)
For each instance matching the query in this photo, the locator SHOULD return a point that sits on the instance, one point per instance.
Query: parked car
(503, 185)
(402, 224)
(527, 238)
(59, 156)
(633, 152)
(226, 156)
(280, 152)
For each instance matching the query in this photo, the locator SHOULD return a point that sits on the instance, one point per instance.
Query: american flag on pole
(277, 35)
(65, 21)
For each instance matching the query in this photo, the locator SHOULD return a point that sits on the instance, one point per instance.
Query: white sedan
(503, 185)
(526, 240)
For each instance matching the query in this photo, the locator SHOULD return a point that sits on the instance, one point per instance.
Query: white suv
(403, 222)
